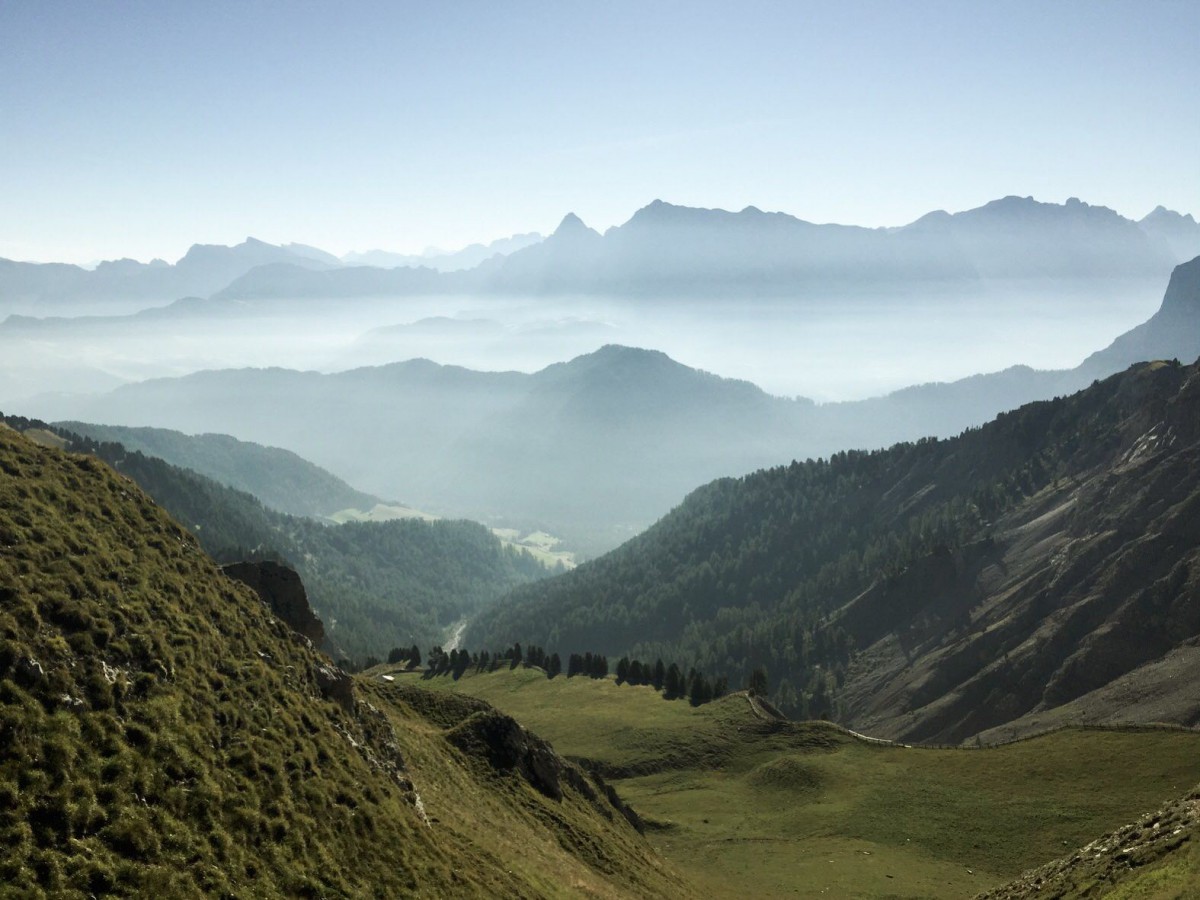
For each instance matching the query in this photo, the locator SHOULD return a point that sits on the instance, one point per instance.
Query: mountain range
(125, 285)
(594, 449)
(683, 252)
(169, 728)
(466, 258)
(663, 250)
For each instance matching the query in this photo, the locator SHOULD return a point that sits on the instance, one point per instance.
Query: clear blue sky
(136, 129)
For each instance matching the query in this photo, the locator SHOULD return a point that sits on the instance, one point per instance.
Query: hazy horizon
(135, 131)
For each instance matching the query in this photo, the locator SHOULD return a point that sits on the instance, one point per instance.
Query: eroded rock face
(282, 590)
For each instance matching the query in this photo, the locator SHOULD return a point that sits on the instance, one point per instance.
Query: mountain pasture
(748, 804)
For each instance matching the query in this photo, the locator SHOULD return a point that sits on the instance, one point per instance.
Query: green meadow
(746, 804)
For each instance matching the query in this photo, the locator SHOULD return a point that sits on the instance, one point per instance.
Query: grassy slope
(172, 739)
(781, 809)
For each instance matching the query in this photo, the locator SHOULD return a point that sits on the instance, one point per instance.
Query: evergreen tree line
(671, 679)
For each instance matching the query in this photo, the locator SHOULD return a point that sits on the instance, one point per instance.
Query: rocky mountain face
(1079, 606)
(163, 731)
(1083, 585)
(1171, 333)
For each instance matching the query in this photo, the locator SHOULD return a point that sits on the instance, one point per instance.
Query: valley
(627, 451)
(972, 653)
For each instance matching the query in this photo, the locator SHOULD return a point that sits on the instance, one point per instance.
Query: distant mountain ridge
(466, 258)
(677, 251)
(279, 478)
(203, 270)
(663, 249)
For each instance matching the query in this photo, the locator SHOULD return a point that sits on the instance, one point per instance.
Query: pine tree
(699, 691)
(637, 674)
(622, 670)
(674, 684)
(757, 686)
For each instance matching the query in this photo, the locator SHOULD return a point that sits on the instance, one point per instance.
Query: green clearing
(746, 805)
(540, 545)
(380, 512)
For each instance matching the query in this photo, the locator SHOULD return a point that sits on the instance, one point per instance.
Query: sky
(134, 129)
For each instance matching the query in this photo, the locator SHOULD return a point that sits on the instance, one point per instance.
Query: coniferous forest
(748, 572)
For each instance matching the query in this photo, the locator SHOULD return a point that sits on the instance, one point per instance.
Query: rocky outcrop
(336, 685)
(281, 589)
(1115, 860)
(508, 747)
(1172, 332)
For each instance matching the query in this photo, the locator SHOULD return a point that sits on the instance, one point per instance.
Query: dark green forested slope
(163, 734)
(279, 478)
(377, 585)
(747, 571)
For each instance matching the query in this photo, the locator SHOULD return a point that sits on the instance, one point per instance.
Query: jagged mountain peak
(571, 225)
(1161, 215)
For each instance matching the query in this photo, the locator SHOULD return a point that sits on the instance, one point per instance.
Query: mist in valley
(823, 348)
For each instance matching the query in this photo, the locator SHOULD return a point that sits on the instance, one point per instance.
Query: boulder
(336, 685)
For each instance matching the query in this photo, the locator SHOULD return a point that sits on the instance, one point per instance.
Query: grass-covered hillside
(914, 553)
(750, 805)
(162, 734)
(376, 585)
